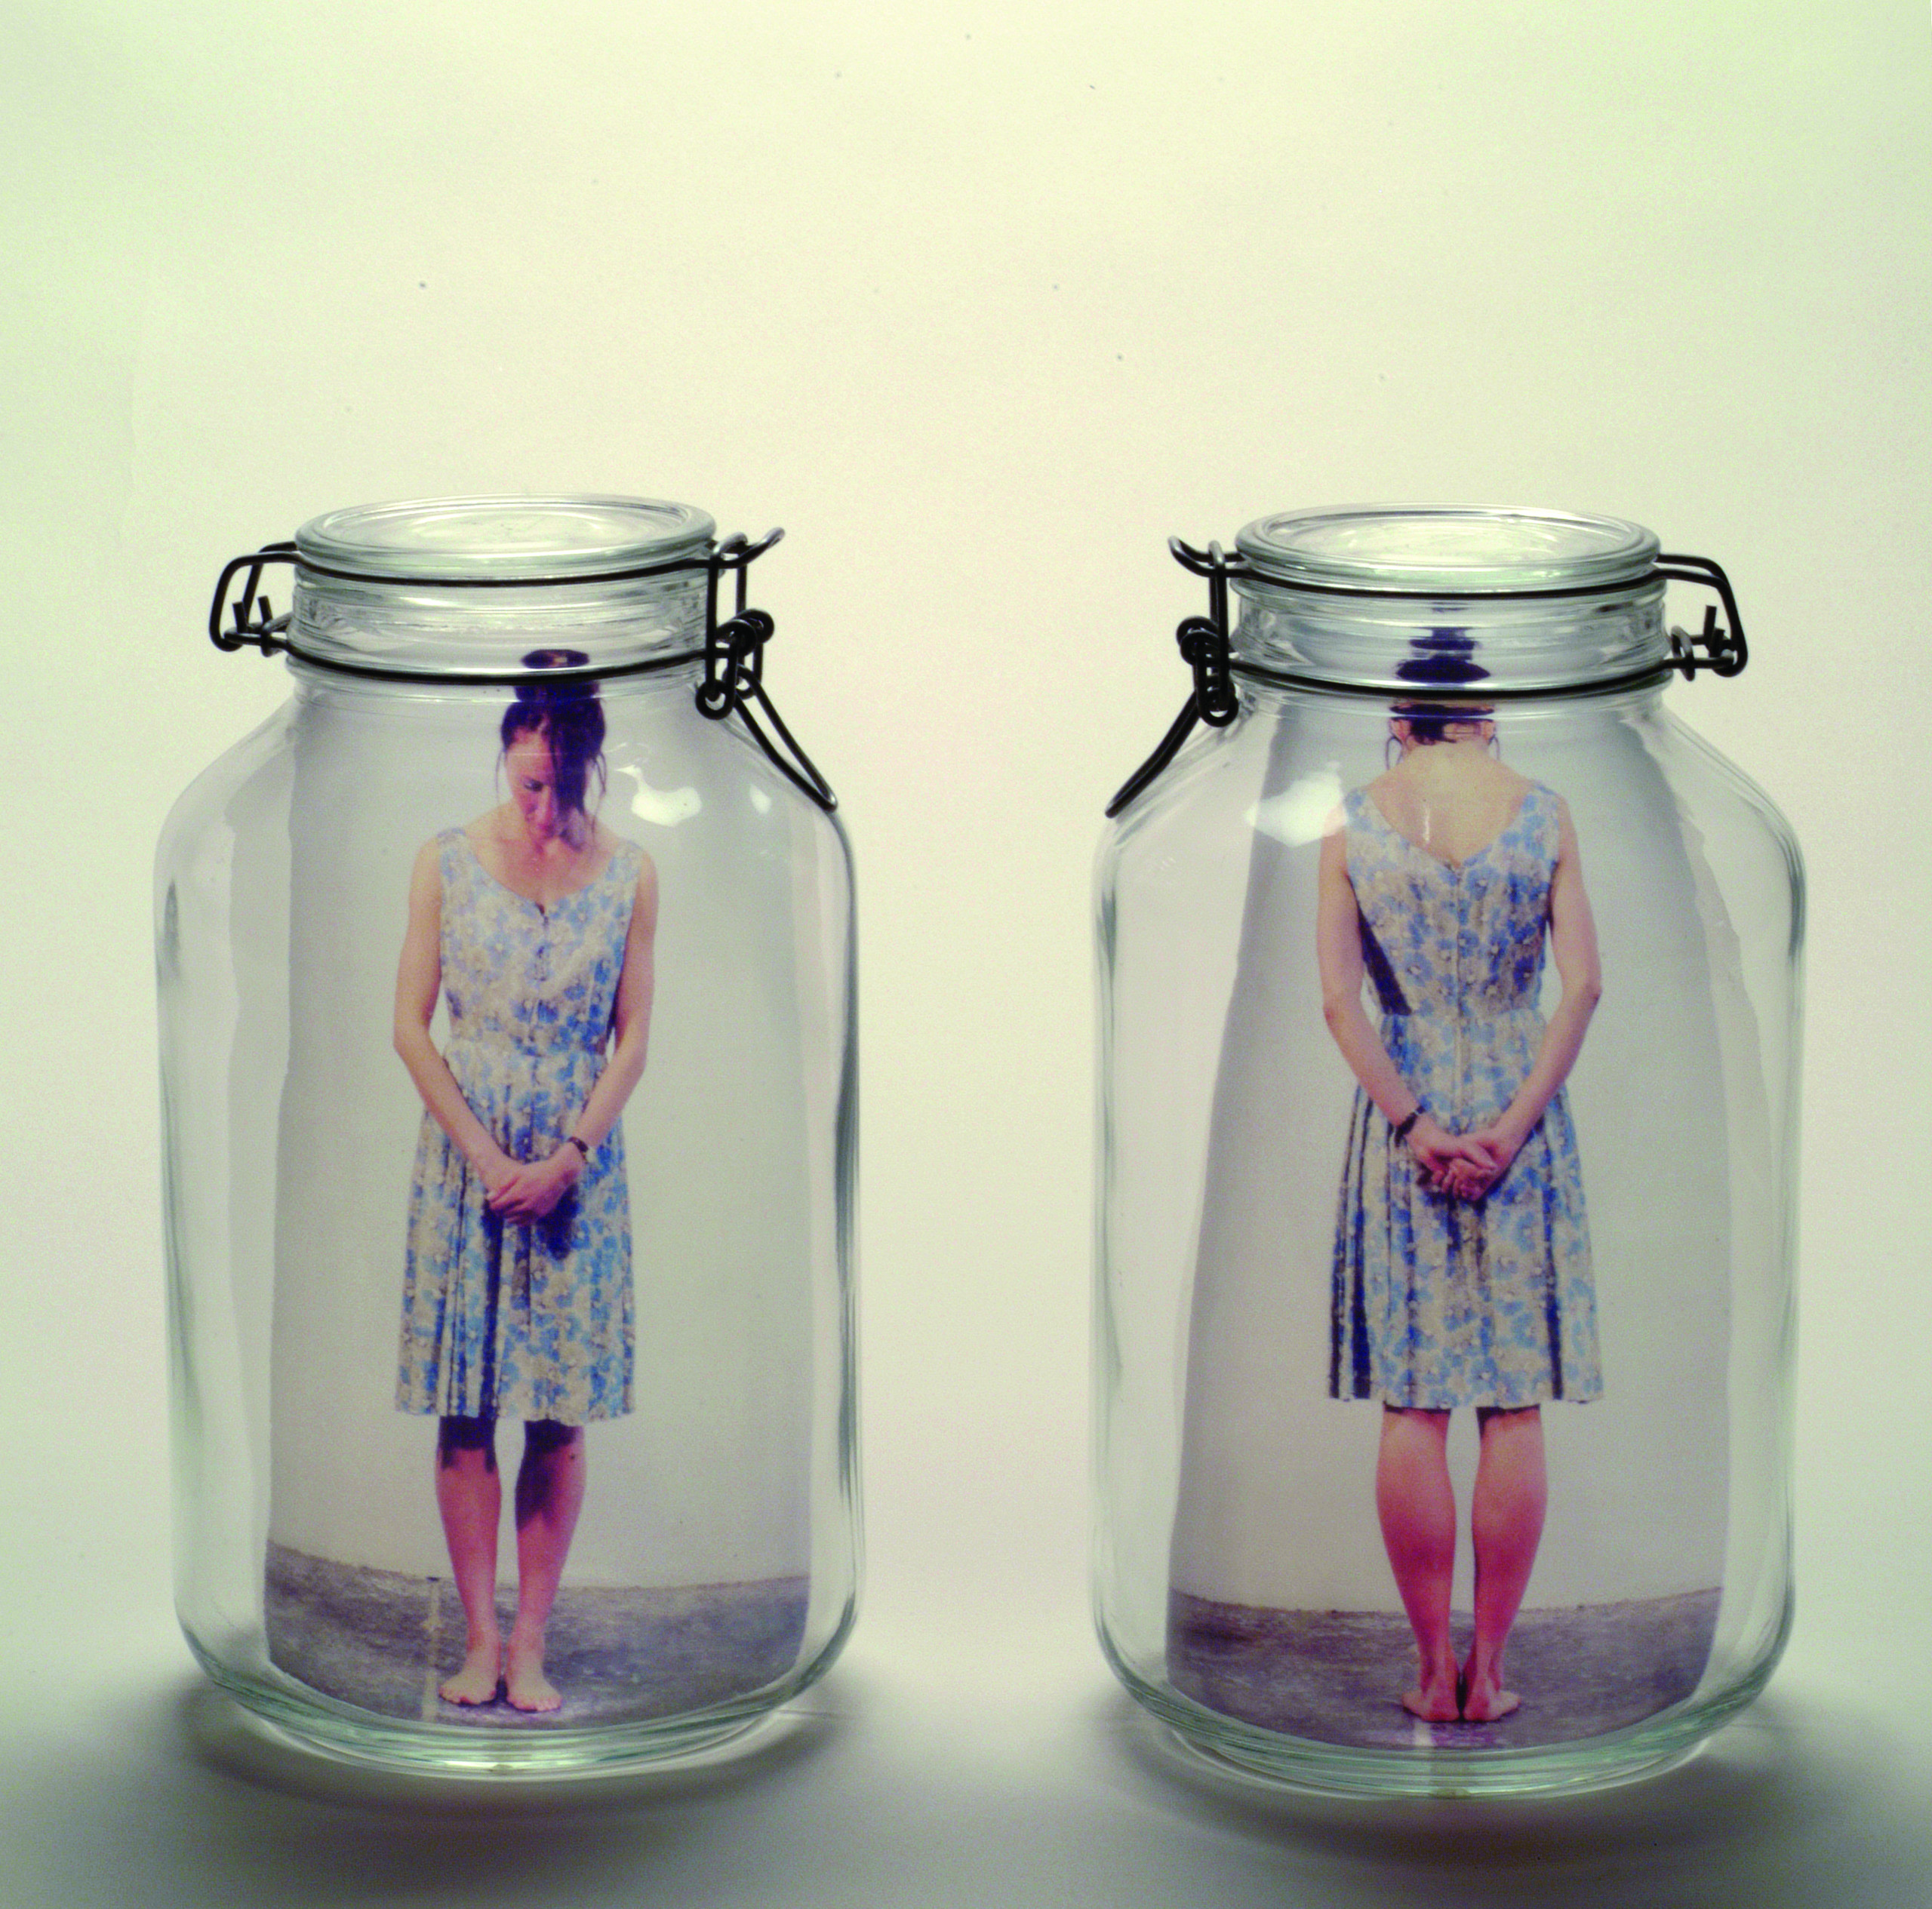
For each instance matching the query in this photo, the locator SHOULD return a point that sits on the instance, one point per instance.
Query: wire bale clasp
(733, 653)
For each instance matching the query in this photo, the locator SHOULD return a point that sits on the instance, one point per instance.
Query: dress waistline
(510, 1044)
(1474, 1013)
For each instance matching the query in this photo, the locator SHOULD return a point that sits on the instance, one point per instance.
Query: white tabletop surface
(981, 300)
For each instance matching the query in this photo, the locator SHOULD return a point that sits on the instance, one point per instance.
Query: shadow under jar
(1449, 996)
(506, 1018)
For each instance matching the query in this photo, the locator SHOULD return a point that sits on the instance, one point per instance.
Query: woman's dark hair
(1443, 660)
(569, 717)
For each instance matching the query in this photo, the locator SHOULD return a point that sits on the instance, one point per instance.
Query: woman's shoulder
(1541, 796)
(476, 840)
(1379, 795)
(436, 853)
(1543, 816)
(624, 859)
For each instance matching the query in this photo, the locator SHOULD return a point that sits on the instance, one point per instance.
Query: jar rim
(1446, 551)
(509, 540)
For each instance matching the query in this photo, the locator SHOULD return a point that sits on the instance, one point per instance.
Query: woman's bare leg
(1505, 1517)
(469, 1496)
(550, 1494)
(1417, 1508)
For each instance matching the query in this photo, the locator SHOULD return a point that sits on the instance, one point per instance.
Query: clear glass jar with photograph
(507, 1019)
(1449, 993)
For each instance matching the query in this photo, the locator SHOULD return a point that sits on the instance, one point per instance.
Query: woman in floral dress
(535, 924)
(1462, 1268)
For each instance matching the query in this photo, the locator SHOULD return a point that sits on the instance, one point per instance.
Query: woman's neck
(569, 840)
(1428, 762)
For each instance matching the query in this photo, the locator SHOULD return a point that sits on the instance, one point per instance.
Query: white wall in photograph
(1276, 1504)
(705, 1480)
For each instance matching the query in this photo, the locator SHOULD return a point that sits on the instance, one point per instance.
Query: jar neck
(1511, 646)
(428, 630)
(353, 694)
(1566, 716)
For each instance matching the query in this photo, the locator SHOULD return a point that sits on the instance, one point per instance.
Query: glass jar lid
(1532, 602)
(450, 588)
(1447, 551)
(505, 540)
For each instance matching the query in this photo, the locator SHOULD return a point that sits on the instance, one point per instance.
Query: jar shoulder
(1707, 784)
(258, 766)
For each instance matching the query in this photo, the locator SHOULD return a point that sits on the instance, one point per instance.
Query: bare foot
(1433, 1699)
(476, 1682)
(524, 1681)
(1486, 1701)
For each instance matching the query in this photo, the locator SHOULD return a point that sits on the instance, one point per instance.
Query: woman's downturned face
(532, 782)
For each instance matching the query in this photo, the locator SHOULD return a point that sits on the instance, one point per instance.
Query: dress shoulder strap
(626, 862)
(1541, 807)
(450, 846)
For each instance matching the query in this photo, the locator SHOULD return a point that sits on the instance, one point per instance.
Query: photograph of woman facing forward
(1462, 1261)
(534, 923)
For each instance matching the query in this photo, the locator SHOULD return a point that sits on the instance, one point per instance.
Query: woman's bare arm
(1338, 955)
(1572, 947)
(419, 979)
(630, 1019)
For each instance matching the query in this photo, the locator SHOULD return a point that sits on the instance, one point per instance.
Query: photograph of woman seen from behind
(1462, 1273)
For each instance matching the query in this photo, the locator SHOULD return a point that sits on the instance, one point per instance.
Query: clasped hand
(1463, 1166)
(523, 1191)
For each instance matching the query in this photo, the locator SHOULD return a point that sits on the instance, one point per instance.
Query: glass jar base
(308, 1726)
(488, 1756)
(1316, 1771)
(1204, 1740)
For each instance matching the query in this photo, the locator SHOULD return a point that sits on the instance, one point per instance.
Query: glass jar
(1449, 996)
(507, 1022)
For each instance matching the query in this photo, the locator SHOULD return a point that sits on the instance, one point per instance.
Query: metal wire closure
(734, 666)
(1720, 650)
(1205, 643)
(733, 654)
(265, 633)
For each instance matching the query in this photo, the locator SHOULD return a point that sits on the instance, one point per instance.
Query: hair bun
(1443, 658)
(551, 695)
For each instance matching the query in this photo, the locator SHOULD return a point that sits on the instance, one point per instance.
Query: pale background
(981, 301)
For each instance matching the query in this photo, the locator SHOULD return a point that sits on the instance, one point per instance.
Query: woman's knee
(1508, 1418)
(455, 1435)
(1415, 1421)
(542, 1437)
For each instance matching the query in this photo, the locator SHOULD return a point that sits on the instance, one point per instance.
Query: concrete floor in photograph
(1338, 1677)
(383, 1640)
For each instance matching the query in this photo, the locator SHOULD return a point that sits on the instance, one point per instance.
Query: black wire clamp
(1205, 646)
(733, 653)
(1205, 643)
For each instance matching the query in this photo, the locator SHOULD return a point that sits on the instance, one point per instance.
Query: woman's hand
(529, 1192)
(1492, 1148)
(1442, 1155)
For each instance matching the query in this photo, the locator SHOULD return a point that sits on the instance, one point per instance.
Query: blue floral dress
(504, 1321)
(1439, 1302)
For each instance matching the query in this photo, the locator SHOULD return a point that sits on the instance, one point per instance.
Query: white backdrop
(981, 300)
